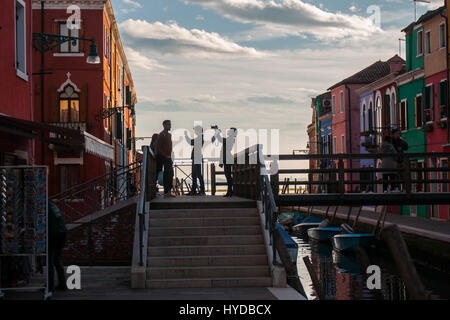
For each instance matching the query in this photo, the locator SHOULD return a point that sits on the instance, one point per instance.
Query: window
(444, 186)
(334, 145)
(442, 36)
(334, 104)
(429, 103)
(69, 176)
(69, 46)
(419, 111)
(443, 99)
(404, 115)
(419, 43)
(379, 126)
(387, 111)
(69, 105)
(428, 42)
(370, 116)
(342, 144)
(330, 144)
(21, 40)
(394, 123)
(364, 125)
(342, 101)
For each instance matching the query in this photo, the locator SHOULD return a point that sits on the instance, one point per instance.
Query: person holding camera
(226, 157)
(197, 160)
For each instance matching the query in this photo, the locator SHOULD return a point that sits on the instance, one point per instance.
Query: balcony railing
(81, 126)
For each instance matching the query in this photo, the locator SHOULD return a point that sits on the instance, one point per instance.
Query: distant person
(159, 166)
(226, 156)
(197, 160)
(388, 162)
(56, 241)
(400, 145)
(164, 153)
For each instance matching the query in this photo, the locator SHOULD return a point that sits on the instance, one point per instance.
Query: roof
(326, 95)
(368, 75)
(425, 17)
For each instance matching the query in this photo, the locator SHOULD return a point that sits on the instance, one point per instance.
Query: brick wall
(107, 240)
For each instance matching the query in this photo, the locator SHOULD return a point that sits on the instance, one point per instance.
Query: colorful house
(16, 147)
(436, 99)
(95, 99)
(325, 141)
(346, 112)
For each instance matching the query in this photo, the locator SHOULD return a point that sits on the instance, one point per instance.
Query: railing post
(213, 179)
(341, 178)
(407, 177)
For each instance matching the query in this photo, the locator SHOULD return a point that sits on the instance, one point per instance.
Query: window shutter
(128, 96)
(128, 139)
(81, 35)
(84, 103)
(55, 30)
(119, 125)
(440, 95)
(53, 102)
(387, 111)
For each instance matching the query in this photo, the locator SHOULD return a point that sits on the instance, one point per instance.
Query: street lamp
(44, 42)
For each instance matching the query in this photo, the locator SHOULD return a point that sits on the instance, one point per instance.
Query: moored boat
(344, 242)
(291, 245)
(323, 234)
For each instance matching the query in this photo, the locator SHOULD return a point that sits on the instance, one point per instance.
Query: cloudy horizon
(251, 63)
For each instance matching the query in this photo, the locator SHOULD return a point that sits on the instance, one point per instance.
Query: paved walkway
(432, 229)
(113, 283)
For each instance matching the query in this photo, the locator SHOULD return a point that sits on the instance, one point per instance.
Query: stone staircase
(206, 247)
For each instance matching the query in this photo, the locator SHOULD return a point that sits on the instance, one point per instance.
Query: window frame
(421, 47)
(427, 43)
(418, 125)
(341, 100)
(442, 36)
(69, 105)
(69, 43)
(333, 104)
(343, 143)
(404, 102)
(334, 145)
(19, 72)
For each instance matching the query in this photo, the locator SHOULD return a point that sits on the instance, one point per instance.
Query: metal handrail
(141, 203)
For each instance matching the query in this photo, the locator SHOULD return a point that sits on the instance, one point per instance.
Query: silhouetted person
(400, 146)
(226, 157)
(164, 152)
(197, 160)
(56, 240)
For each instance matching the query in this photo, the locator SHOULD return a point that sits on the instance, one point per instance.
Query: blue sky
(251, 63)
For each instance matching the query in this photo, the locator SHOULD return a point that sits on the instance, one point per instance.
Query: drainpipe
(448, 73)
(42, 86)
(33, 144)
(350, 131)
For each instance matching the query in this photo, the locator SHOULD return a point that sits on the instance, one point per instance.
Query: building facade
(96, 99)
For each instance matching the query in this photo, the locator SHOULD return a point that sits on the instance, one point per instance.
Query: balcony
(80, 126)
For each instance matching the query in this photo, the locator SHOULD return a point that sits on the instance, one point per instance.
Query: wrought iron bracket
(44, 42)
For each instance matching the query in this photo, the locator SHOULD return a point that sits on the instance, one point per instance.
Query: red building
(16, 147)
(97, 100)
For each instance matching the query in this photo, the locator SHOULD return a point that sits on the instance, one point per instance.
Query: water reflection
(340, 275)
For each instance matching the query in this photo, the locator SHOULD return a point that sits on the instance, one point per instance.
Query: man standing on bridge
(197, 160)
(226, 157)
(164, 153)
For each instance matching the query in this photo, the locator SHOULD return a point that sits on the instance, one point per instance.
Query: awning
(34, 130)
(63, 138)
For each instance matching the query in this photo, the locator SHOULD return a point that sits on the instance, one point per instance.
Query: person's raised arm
(188, 140)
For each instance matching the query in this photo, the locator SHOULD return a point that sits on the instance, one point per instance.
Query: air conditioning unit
(327, 102)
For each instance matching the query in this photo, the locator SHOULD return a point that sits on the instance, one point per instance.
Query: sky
(251, 64)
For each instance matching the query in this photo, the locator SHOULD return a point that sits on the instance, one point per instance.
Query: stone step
(204, 222)
(200, 261)
(210, 272)
(185, 203)
(204, 240)
(206, 250)
(200, 213)
(210, 283)
(206, 231)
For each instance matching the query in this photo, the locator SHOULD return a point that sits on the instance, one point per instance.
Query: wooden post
(213, 179)
(357, 217)
(380, 217)
(315, 280)
(291, 270)
(348, 214)
(326, 213)
(334, 215)
(399, 250)
(341, 178)
(407, 178)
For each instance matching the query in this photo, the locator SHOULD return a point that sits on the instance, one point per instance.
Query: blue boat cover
(290, 243)
(296, 215)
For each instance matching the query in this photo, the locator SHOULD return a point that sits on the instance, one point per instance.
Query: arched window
(69, 105)
(394, 120)
(379, 127)
(370, 116)
(364, 116)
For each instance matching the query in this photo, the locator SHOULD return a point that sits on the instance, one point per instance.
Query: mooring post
(399, 250)
(364, 262)
(291, 270)
(315, 280)
(348, 214)
(334, 215)
(357, 217)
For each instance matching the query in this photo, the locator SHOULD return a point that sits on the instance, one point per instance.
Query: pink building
(346, 112)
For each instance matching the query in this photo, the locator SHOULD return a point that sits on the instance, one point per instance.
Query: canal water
(342, 279)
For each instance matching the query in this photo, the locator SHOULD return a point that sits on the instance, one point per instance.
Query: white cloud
(171, 38)
(137, 60)
(134, 4)
(293, 17)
